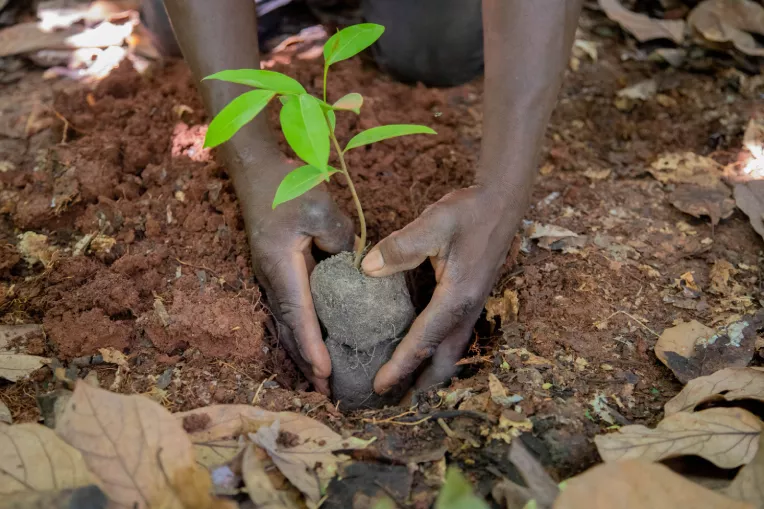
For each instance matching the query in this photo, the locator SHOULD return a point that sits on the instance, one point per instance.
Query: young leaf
(268, 80)
(385, 132)
(298, 182)
(351, 41)
(332, 119)
(305, 130)
(350, 102)
(236, 113)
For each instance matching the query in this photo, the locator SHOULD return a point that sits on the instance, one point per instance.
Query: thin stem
(326, 70)
(359, 209)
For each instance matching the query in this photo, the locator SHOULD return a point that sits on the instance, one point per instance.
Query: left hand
(466, 235)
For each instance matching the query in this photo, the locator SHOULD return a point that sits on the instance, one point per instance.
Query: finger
(332, 232)
(450, 310)
(289, 277)
(405, 249)
(286, 340)
(443, 364)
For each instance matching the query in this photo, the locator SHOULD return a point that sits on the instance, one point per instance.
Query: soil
(364, 318)
(169, 281)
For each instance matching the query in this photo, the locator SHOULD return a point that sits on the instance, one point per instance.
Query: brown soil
(176, 291)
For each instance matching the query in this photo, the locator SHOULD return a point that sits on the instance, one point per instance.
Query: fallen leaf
(34, 248)
(691, 349)
(730, 384)
(687, 168)
(593, 174)
(643, 27)
(457, 493)
(724, 22)
(505, 308)
(34, 458)
(749, 197)
(589, 48)
(216, 453)
(641, 91)
(727, 437)
(137, 449)
(101, 244)
(698, 201)
(675, 57)
(638, 485)
(259, 484)
(15, 366)
(308, 463)
(16, 333)
(542, 487)
(720, 275)
(5, 414)
(90, 497)
(499, 393)
(112, 356)
(553, 237)
(747, 484)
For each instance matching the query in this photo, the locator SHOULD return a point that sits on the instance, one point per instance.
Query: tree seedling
(307, 122)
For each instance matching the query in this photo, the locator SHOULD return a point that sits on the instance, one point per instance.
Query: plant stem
(326, 70)
(359, 209)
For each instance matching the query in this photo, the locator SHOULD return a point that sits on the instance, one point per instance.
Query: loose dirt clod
(363, 317)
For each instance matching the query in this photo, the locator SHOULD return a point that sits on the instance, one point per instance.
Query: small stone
(81, 362)
(52, 405)
(164, 379)
(96, 359)
(271, 384)
(297, 403)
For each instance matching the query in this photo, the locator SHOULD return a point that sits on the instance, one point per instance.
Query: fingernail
(373, 261)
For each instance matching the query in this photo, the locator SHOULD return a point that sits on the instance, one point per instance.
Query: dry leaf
(727, 437)
(542, 487)
(691, 349)
(729, 384)
(641, 91)
(259, 485)
(638, 485)
(499, 392)
(34, 248)
(687, 168)
(34, 458)
(15, 366)
(749, 197)
(90, 497)
(698, 201)
(112, 356)
(138, 450)
(14, 333)
(538, 231)
(747, 485)
(5, 414)
(505, 307)
(593, 174)
(306, 459)
(216, 453)
(643, 27)
(724, 22)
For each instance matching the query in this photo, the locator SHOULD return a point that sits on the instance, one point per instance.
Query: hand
(466, 235)
(280, 240)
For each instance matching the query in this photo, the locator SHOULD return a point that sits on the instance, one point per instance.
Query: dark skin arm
(222, 34)
(466, 235)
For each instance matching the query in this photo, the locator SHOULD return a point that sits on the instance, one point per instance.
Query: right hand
(281, 240)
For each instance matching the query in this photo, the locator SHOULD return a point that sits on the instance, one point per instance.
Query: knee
(436, 42)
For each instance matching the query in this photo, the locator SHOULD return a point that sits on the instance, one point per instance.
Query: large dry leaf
(687, 168)
(34, 458)
(748, 484)
(138, 450)
(725, 385)
(643, 27)
(216, 453)
(727, 437)
(639, 485)
(691, 349)
(259, 485)
(749, 197)
(698, 201)
(721, 22)
(306, 459)
(15, 366)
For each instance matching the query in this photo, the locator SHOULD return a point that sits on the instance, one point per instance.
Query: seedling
(307, 122)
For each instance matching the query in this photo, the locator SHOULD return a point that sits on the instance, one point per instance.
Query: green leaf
(385, 132)
(350, 102)
(332, 119)
(351, 41)
(457, 493)
(305, 129)
(236, 113)
(268, 80)
(283, 99)
(300, 181)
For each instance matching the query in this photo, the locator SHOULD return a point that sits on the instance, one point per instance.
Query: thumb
(403, 250)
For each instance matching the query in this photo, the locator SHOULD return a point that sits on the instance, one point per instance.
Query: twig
(640, 322)
(447, 414)
(260, 387)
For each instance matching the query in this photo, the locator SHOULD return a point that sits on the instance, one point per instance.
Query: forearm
(214, 36)
(527, 47)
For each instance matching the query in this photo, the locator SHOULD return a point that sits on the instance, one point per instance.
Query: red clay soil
(176, 288)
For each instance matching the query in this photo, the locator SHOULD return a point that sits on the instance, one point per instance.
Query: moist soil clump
(364, 319)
